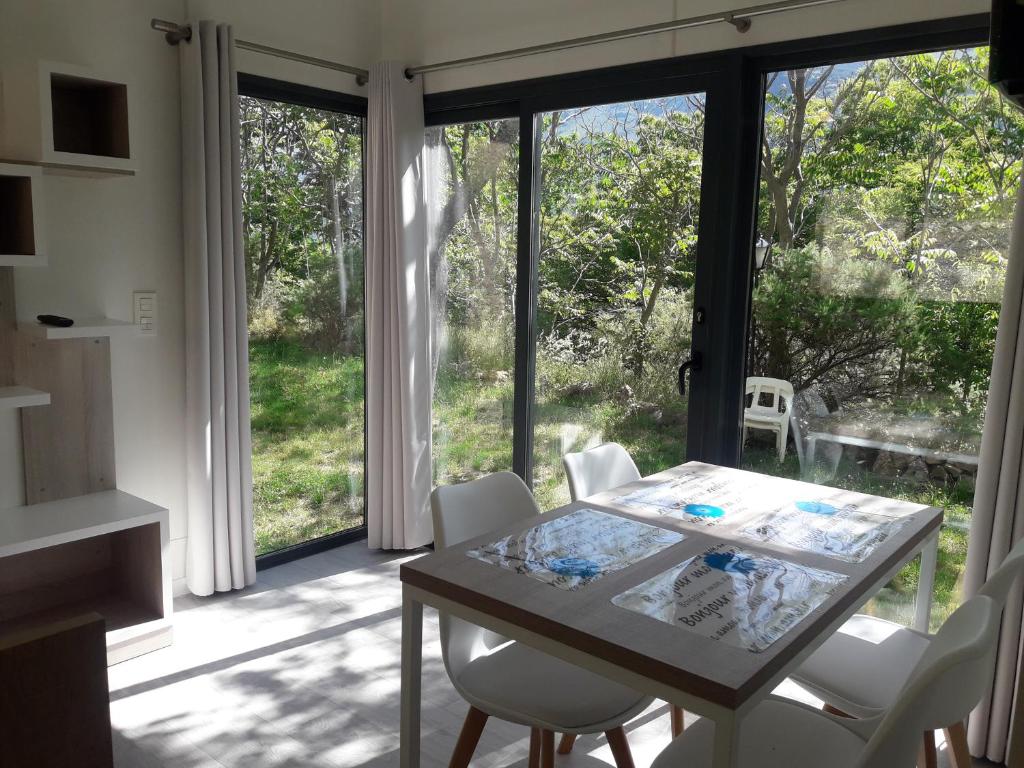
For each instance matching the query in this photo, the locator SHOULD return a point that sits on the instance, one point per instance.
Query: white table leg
(727, 745)
(412, 666)
(926, 583)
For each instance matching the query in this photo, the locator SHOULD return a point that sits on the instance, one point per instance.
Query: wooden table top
(587, 619)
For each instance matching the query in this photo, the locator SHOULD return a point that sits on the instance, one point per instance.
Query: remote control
(56, 320)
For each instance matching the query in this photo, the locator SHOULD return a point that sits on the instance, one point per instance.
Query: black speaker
(1006, 52)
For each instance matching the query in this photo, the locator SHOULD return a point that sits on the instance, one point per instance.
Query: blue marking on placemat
(816, 507)
(703, 510)
(730, 562)
(574, 566)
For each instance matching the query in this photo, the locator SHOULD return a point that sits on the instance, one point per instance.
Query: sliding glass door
(886, 198)
(302, 192)
(619, 192)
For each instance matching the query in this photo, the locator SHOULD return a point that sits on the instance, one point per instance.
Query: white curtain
(221, 549)
(997, 522)
(398, 396)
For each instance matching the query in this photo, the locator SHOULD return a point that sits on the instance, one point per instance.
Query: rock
(916, 471)
(884, 465)
(937, 473)
(579, 389)
(624, 394)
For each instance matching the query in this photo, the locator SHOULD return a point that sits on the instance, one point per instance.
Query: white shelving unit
(21, 216)
(86, 328)
(105, 552)
(68, 119)
(22, 397)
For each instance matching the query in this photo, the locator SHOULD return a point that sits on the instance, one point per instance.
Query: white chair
(860, 670)
(509, 680)
(773, 416)
(599, 469)
(946, 684)
(808, 403)
(593, 471)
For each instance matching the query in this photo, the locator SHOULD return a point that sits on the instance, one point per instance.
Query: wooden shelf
(37, 526)
(103, 553)
(85, 328)
(22, 397)
(90, 170)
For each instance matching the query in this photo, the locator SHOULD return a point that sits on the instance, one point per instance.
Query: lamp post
(761, 250)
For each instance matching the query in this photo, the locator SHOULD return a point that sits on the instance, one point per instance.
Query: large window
(302, 189)
(886, 198)
(473, 175)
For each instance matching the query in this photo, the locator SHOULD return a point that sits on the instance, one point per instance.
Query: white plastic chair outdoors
(807, 403)
(946, 684)
(510, 680)
(772, 416)
(861, 669)
(599, 469)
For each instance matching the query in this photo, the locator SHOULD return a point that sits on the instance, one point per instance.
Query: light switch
(145, 312)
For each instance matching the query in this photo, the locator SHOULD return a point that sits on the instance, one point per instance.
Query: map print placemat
(701, 498)
(841, 532)
(733, 596)
(574, 550)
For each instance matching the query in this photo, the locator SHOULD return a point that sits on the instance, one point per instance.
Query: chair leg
(547, 749)
(956, 741)
(927, 757)
(565, 745)
(534, 748)
(468, 738)
(620, 747)
(677, 721)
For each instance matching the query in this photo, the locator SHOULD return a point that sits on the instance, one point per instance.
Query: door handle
(694, 363)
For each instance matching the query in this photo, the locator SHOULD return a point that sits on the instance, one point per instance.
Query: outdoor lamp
(761, 249)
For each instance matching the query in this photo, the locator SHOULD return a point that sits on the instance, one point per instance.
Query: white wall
(425, 32)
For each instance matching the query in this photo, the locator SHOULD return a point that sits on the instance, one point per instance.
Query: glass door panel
(618, 194)
(885, 204)
(472, 177)
(302, 195)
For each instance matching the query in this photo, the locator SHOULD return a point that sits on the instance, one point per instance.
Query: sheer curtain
(997, 522)
(221, 548)
(398, 391)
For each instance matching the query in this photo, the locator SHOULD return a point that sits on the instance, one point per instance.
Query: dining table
(704, 586)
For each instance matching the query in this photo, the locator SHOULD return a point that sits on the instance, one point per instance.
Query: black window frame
(271, 89)
(730, 183)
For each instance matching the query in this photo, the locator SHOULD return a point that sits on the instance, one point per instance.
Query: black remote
(56, 320)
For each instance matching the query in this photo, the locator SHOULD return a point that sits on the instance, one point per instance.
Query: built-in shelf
(103, 552)
(86, 328)
(91, 170)
(22, 397)
(68, 118)
(21, 230)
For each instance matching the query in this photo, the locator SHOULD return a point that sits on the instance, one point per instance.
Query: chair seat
(863, 666)
(775, 734)
(764, 418)
(523, 685)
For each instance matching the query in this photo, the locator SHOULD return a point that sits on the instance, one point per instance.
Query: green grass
(307, 453)
(307, 424)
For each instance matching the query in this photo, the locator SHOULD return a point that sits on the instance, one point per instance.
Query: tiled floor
(303, 670)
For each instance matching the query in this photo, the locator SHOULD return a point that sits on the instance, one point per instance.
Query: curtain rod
(739, 18)
(175, 33)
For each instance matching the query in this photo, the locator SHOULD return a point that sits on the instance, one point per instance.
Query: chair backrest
(599, 469)
(470, 509)
(1001, 582)
(462, 512)
(947, 683)
(776, 388)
